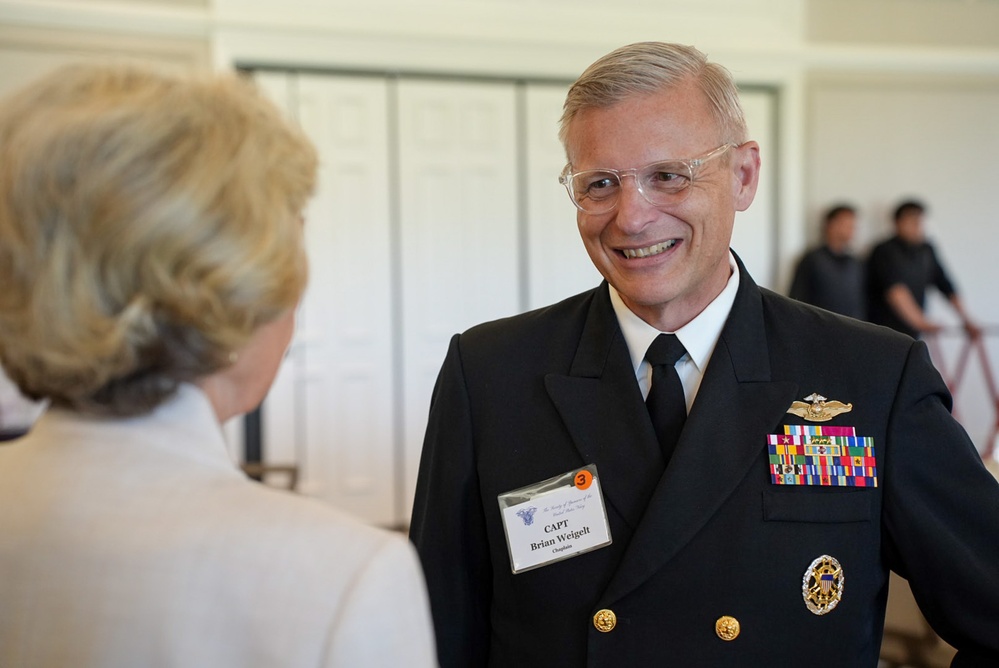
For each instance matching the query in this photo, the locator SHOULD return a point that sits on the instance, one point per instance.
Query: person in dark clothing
(830, 276)
(899, 271)
(561, 522)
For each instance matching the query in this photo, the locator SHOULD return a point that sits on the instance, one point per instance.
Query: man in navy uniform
(756, 525)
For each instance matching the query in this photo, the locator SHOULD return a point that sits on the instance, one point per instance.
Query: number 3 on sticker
(583, 479)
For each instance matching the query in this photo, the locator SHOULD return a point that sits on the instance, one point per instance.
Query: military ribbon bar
(823, 456)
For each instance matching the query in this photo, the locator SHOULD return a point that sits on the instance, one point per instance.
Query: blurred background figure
(151, 257)
(830, 276)
(899, 271)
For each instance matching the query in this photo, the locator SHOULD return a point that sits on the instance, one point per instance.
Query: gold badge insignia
(817, 408)
(822, 586)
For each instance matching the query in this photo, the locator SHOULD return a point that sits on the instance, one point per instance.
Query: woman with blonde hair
(151, 258)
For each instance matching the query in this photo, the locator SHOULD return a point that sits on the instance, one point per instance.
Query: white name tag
(554, 519)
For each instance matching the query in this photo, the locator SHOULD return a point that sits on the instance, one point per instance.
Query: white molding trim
(315, 33)
(114, 17)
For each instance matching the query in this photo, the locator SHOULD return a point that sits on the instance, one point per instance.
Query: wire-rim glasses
(662, 183)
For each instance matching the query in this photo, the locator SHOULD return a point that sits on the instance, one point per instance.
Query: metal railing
(954, 372)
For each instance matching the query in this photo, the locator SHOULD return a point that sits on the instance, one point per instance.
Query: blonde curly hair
(149, 224)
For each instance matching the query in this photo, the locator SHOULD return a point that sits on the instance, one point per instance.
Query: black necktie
(666, 403)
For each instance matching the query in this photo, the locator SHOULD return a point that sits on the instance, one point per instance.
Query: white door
(458, 203)
(331, 410)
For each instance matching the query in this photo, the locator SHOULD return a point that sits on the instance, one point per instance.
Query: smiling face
(667, 263)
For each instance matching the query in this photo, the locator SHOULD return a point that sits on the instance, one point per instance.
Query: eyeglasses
(665, 183)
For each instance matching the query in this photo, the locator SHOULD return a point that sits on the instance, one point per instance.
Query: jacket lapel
(601, 406)
(736, 404)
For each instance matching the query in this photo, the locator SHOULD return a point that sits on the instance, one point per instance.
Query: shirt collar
(699, 336)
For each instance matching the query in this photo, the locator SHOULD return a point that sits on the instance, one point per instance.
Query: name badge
(554, 519)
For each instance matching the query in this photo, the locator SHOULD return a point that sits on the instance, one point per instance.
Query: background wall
(863, 100)
(884, 139)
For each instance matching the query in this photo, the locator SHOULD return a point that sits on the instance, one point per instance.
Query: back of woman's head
(149, 224)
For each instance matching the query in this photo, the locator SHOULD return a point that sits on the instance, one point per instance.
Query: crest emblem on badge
(822, 585)
(527, 514)
(818, 408)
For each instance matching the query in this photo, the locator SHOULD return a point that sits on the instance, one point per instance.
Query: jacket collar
(183, 426)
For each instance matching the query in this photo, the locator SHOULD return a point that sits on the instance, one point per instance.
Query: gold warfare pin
(822, 585)
(816, 408)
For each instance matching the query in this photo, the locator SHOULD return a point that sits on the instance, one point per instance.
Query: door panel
(458, 230)
(331, 408)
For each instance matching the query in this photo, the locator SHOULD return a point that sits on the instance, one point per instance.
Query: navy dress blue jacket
(526, 398)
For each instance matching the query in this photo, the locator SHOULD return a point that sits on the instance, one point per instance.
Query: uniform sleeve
(448, 524)
(941, 515)
(385, 617)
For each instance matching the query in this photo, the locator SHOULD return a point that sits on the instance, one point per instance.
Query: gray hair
(649, 67)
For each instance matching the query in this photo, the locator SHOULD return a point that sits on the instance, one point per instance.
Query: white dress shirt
(699, 337)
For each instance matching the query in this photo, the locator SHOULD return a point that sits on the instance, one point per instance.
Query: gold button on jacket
(727, 627)
(605, 620)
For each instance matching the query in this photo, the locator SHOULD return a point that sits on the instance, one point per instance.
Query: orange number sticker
(583, 479)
